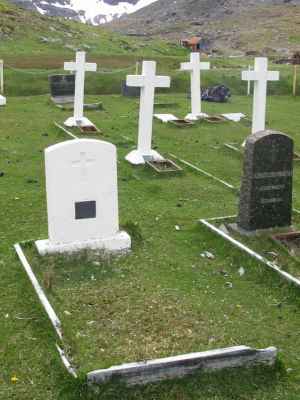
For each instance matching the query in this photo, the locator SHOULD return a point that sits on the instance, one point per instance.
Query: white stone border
(177, 367)
(39, 291)
(46, 305)
(65, 130)
(66, 362)
(228, 185)
(247, 250)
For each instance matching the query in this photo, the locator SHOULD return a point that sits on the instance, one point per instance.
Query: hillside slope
(26, 34)
(92, 11)
(266, 26)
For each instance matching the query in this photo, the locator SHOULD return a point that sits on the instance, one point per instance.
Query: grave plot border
(142, 373)
(172, 166)
(208, 223)
(203, 172)
(65, 130)
(232, 147)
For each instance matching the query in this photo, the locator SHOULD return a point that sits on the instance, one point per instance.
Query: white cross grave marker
(195, 66)
(260, 76)
(82, 198)
(148, 81)
(80, 67)
(2, 98)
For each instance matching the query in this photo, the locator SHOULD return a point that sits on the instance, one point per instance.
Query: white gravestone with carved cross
(82, 198)
(195, 66)
(148, 81)
(2, 100)
(260, 75)
(80, 67)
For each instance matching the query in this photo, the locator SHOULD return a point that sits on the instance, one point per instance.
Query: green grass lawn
(162, 299)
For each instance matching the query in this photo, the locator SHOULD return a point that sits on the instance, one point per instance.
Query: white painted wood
(39, 291)
(66, 131)
(1, 77)
(80, 67)
(79, 172)
(260, 76)
(249, 82)
(228, 185)
(176, 367)
(252, 253)
(235, 117)
(195, 66)
(148, 81)
(166, 117)
(66, 362)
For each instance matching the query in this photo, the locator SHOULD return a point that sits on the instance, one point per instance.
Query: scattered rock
(224, 229)
(224, 273)
(207, 254)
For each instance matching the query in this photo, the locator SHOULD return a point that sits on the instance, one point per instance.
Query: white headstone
(82, 198)
(80, 67)
(195, 66)
(148, 81)
(260, 76)
(2, 100)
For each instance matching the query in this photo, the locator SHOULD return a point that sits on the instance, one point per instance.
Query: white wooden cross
(80, 67)
(2, 98)
(260, 76)
(148, 81)
(195, 66)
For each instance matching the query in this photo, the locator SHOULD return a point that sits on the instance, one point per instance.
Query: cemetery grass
(35, 45)
(162, 299)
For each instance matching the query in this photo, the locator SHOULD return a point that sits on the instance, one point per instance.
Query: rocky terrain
(228, 26)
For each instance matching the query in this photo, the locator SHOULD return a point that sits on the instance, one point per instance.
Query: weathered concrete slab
(175, 367)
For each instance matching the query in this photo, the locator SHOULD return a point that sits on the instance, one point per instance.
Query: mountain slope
(227, 25)
(89, 11)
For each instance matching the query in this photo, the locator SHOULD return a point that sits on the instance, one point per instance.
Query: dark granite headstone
(62, 88)
(130, 91)
(266, 191)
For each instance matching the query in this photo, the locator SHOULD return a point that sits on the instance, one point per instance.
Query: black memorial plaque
(130, 91)
(85, 210)
(62, 86)
(266, 191)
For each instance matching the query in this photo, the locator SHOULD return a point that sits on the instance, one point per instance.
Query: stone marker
(2, 100)
(166, 117)
(195, 67)
(260, 76)
(62, 88)
(79, 67)
(129, 91)
(148, 81)
(82, 198)
(267, 185)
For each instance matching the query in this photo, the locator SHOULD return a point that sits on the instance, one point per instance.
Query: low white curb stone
(175, 367)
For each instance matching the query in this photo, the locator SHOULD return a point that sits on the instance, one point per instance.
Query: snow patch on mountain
(89, 11)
